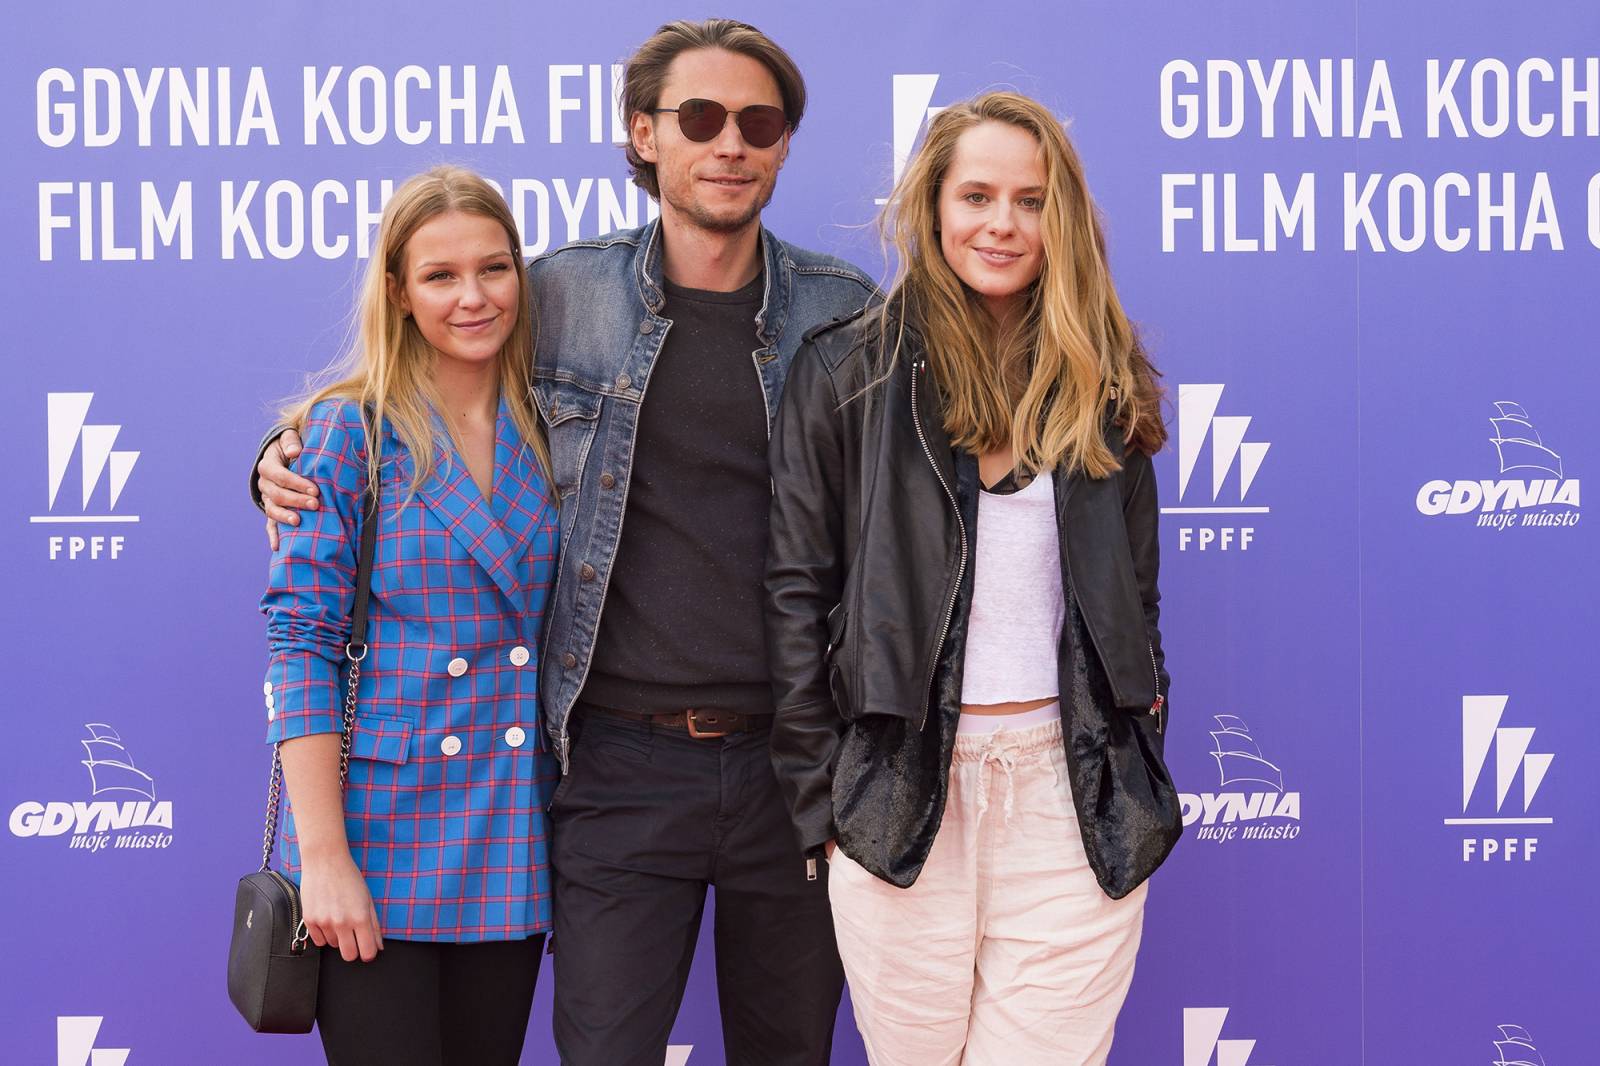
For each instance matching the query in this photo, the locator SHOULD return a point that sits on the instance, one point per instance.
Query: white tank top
(1014, 628)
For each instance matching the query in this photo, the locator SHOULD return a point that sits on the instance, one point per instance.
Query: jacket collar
(497, 533)
(777, 271)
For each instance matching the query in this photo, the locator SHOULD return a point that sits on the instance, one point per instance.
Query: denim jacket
(598, 329)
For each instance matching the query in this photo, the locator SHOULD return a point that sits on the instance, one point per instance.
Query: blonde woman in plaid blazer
(427, 880)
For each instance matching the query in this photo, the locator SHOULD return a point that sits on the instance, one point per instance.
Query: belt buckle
(690, 719)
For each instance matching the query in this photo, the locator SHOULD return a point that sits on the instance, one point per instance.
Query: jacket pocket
(571, 415)
(381, 739)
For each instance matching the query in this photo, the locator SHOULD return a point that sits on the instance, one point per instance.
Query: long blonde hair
(1043, 383)
(388, 366)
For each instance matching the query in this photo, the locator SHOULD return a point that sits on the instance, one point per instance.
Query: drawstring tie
(1006, 759)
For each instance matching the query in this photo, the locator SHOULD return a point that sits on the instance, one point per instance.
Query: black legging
(425, 1004)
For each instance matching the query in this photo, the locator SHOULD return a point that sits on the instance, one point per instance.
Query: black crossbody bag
(272, 964)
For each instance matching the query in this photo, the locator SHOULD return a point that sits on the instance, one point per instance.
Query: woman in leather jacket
(962, 612)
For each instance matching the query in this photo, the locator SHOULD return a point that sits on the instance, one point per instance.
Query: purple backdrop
(1379, 377)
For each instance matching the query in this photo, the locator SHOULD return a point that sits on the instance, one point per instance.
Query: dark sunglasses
(761, 125)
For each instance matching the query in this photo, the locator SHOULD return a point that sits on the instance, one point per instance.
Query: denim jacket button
(647, 326)
(569, 660)
(586, 572)
(623, 381)
(607, 481)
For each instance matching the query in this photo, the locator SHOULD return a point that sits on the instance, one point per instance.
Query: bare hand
(283, 493)
(338, 909)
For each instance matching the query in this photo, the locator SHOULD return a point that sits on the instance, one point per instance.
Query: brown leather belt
(699, 724)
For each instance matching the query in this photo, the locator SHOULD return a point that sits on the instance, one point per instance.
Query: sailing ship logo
(1238, 757)
(1518, 443)
(111, 769)
(1515, 1048)
(1532, 490)
(1202, 1035)
(122, 810)
(1251, 791)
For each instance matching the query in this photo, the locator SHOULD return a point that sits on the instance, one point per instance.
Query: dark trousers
(424, 1004)
(647, 818)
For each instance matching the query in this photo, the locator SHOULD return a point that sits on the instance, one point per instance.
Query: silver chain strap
(275, 784)
(349, 710)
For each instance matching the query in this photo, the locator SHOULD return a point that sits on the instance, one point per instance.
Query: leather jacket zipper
(961, 569)
(1155, 708)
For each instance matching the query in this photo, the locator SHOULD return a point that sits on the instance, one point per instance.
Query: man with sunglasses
(654, 680)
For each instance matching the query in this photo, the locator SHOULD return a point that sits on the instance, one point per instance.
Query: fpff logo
(1481, 734)
(1198, 421)
(69, 434)
(913, 97)
(1202, 1035)
(75, 1043)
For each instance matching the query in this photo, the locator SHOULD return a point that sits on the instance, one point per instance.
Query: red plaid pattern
(450, 777)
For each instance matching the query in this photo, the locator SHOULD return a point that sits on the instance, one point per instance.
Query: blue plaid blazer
(450, 777)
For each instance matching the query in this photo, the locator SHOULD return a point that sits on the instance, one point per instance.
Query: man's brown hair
(646, 73)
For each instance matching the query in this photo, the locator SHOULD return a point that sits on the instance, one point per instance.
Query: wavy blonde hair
(1043, 382)
(387, 368)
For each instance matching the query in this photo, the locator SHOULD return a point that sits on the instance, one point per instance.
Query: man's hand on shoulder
(284, 494)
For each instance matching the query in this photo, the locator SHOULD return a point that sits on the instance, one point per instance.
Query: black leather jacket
(867, 592)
